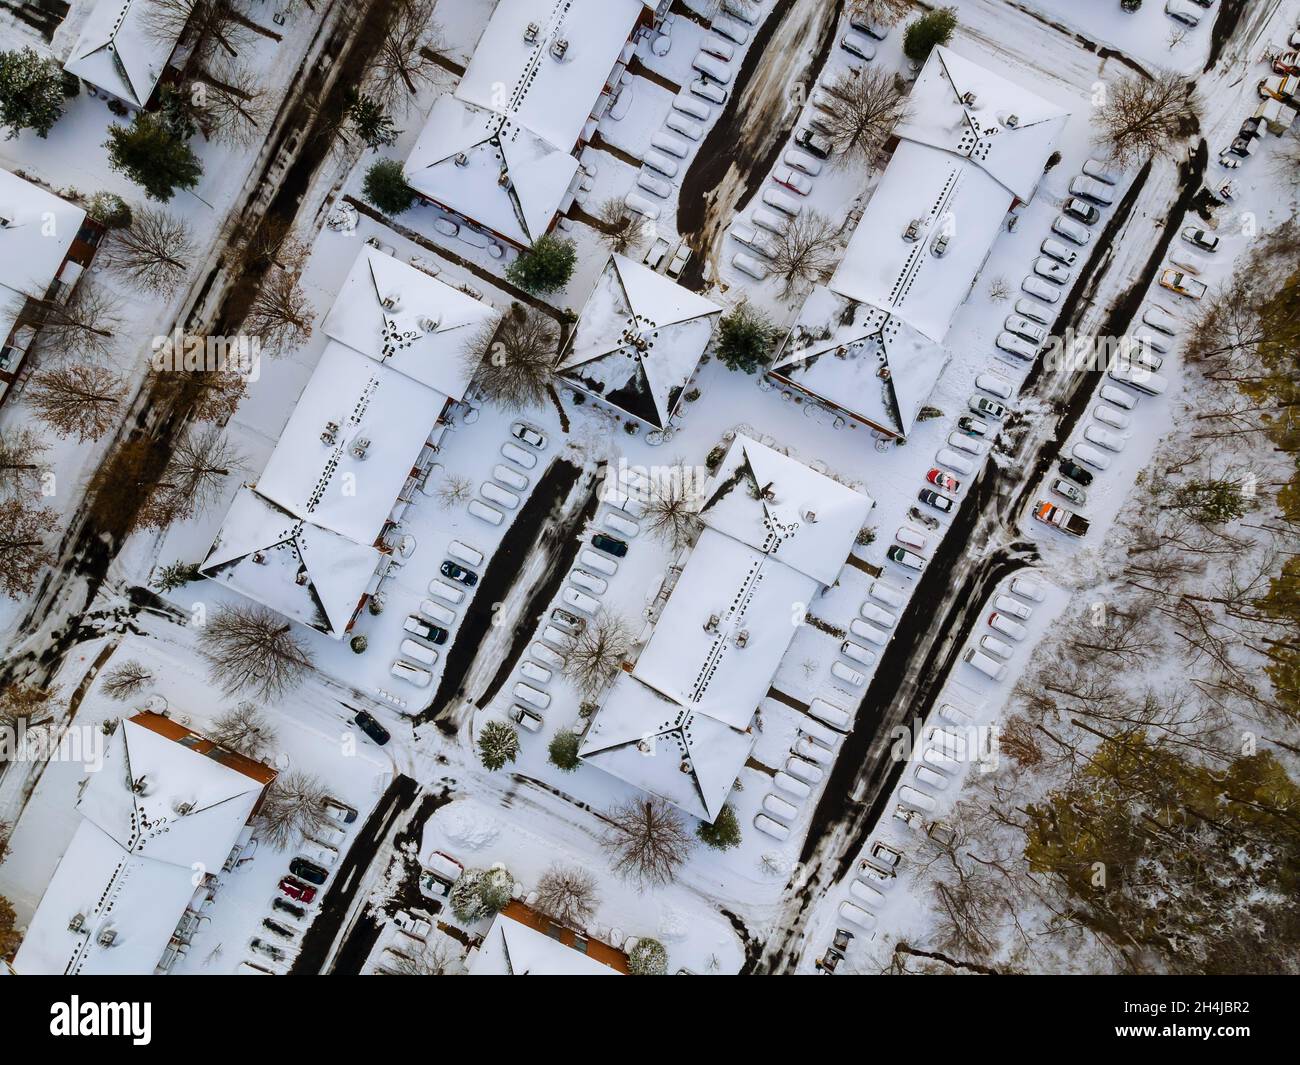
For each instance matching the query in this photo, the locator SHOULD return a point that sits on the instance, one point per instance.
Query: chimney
(530, 33)
(969, 99)
(559, 47)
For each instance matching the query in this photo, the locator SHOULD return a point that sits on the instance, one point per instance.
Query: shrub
(724, 833)
(546, 266)
(933, 28)
(563, 750)
(648, 958)
(385, 186)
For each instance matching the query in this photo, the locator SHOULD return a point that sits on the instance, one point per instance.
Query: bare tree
(126, 679)
(193, 479)
(244, 730)
(515, 362)
(595, 654)
(567, 895)
(25, 707)
(219, 396)
(21, 454)
(888, 12)
(153, 252)
(292, 809)
(453, 490)
(210, 25)
(83, 327)
(622, 228)
(80, 401)
(252, 648)
(999, 290)
(235, 105)
(805, 251)
(281, 316)
(407, 60)
(671, 508)
(864, 108)
(647, 840)
(427, 959)
(1145, 117)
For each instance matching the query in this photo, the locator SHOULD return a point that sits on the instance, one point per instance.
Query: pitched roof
(638, 340)
(120, 52)
(36, 230)
(511, 948)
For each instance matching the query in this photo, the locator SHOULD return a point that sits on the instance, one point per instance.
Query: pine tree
(932, 28)
(546, 266)
(480, 893)
(498, 744)
(385, 186)
(31, 92)
(370, 122)
(745, 339)
(648, 958)
(175, 574)
(150, 154)
(563, 750)
(724, 833)
(109, 209)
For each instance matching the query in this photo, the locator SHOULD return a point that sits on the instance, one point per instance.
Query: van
(782, 201)
(908, 537)
(448, 593)
(772, 828)
(883, 618)
(1092, 189)
(411, 674)
(579, 600)
(848, 674)
(418, 652)
(999, 622)
(864, 892)
(527, 719)
(887, 594)
(804, 770)
(485, 513)
(494, 493)
(831, 714)
(997, 648)
(1089, 454)
(791, 785)
(917, 800)
(955, 715)
(503, 474)
(548, 656)
(780, 808)
(870, 633)
(462, 552)
(598, 561)
(857, 915)
(589, 582)
(1138, 377)
(1013, 607)
(813, 752)
(1123, 400)
(620, 524)
(988, 666)
(927, 777)
(535, 672)
(955, 461)
(857, 653)
(526, 693)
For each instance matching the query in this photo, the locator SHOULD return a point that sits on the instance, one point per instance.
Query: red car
(937, 477)
(297, 890)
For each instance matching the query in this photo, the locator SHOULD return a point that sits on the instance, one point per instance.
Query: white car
(858, 46)
(999, 622)
(655, 185)
(1015, 345)
(1028, 588)
(1051, 269)
(712, 68)
(1034, 311)
(745, 234)
(747, 264)
(589, 582)
(1117, 396)
(955, 460)
(1036, 286)
(769, 220)
(684, 103)
(883, 617)
(1089, 454)
(1095, 168)
(1023, 327)
(534, 438)
(494, 493)
(1071, 230)
(622, 525)
(792, 179)
(511, 478)
(1095, 434)
(518, 455)
(688, 128)
(991, 645)
(484, 512)
(1092, 189)
(659, 161)
(1060, 252)
(1004, 604)
(802, 161)
(995, 384)
(1159, 318)
(1110, 416)
(719, 47)
(782, 201)
(848, 674)
(579, 600)
(1184, 12)
(421, 678)
(857, 915)
(708, 90)
(968, 444)
(642, 206)
(857, 653)
(1138, 377)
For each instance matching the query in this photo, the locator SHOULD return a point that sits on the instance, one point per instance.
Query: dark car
(297, 890)
(1075, 472)
(937, 500)
(285, 906)
(831, 960)
(842, 939)
(812, 141)
(309, 871)
(611, 545)
(437, 634)
(459, 573)
(1083, 211)
(372, 728)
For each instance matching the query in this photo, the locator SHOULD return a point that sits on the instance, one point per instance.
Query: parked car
(938, 500)
(987, 408)
(1095, 434)
(1182, 283)
(418, 652)
(297, 890)
(858, 47)
(782, 201)
(309, 871)
(1118, 397)
(708, 90)
(1052, 270)
(857, 653)
(1044, 290)
(996, 648)
(580, 600)
(995, 384)
(1018, 346)
(1138, 377)
(943, 480)
(713, 68)
(1070, 491)
(1110, 416)
(1183, 11)
(588, 582)
(611, 545)
(1095, 168)
(871, 27)
(1199, 238)
(1034, 311)
(1071, 230)
(813, 142)
(338, 812)
(747, 264)
(1074, 471)
(1022, 327)
(509, 477)
(1159, 318)
(1062, 253)
(802, 161)
(1089, 454)
(792, 179)
(1028, 588)
(534, 438)
(621, 524)
(879, 615)
(847, 674)
(999, 622)
(366, 722)
(1013, 607)
(989, 666)
(1092, 189)
(458, 573)
(905, 558)
(976, 427)
(421, 628)
(955, 460)
(1081, 210)
(527, 719)
(518, 455)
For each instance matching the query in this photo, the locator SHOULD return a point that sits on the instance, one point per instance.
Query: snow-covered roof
(865, 361)
(165, 803)
(408, 320)
(638, 340)
(499, 151)
(36, 230)
(512, 948)
(678, 724)
(965, 108)
(120, 52)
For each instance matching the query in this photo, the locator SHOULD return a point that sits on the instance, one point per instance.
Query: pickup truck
(1065, 520)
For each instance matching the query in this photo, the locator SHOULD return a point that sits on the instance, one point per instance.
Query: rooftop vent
(140, 784)
(712, 624)
(559, 47)
(107, 936)
(392, 301)
(259, 557)
(503, 178)
(5, 221)
(300, 577)
(913, 231)
(429, 324)
(742, 637)
(360, 447)
(530, 33)
(78, 919)
(1012, 121)
(969, 99)
(183, 808)
(940, 244)
(330, 435)
(684, 766)
(462, 159)
(810, 516)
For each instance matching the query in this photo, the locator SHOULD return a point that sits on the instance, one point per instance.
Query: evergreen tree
(932, 28)
(31, 92)
(480, 893)
(150, 154)
(724, 833)
(370, 121)
(385, 186)
(546, 266)
(175, 574)
(744, 339)
(498, 744)
(564, 750)
(109, 209)
(648, 958)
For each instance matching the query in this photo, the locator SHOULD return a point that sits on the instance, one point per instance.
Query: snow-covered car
(1138, 377)
(1070, 491)
(991, 645)
(1152, 342)
(1095, 434)
(540, 700)
(687, 127)
(858, 46)
(411, 674)
(712, 67)
(848, 674)
(720, 47)
(857, 653)
(987, 408)
(1108, 415)
(995, 384)
(1081, 210)
(906, 558)
(1095, 168)
(1182, 283)
(1028, 588)
(770, 220)
(654, 184)
(955, 460)
(1118, 397)
(1092, 189)
(747, 264)
(691, 106)
(909, 537)
(418, 652)
(870, 26)
(1044, 290)
(1159, 318)
(1089, 454)
(498, 496)
(1071, 230)
(708, 90)
(731, 28)
(485, 512)
(813, 142)
(1062, 253)
(1052, 270)
(338, 812)
(642, 206)
(1015, 608)
(792, 179)
(782, 201)
(879, 615)
(1183, 11)
(942, 480)
(749, 236)
(621, 524)
(1015, 345)
(532, 437)
(1023, 327)
(579, 600)
(969, 444)
(1199, 238)
(589, 582)
(793, 157)
(938, 500)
